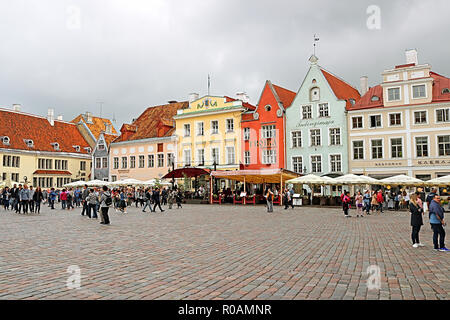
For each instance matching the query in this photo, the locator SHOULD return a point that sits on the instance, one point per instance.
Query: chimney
(411, 56)
(242, 96)
(60, 117)
(193, 96)
(16, 107)
(364, 84)
(88, 117)
(51, 116)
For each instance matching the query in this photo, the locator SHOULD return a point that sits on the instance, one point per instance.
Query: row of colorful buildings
(327, 127)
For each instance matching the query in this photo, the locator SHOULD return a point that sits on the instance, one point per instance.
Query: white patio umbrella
(152, 182)
(96, 183)
(312, 179)
(402, 180)
(352, 179)
(439, 182)
(127, 182)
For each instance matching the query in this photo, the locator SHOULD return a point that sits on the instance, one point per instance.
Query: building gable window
(296, 139)
(314, 94)
(323, 110)
(307, 112)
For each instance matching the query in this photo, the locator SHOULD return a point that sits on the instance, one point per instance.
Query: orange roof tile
(19, 126)
(341, 89)
(147, 125)
(97, 125)
(286, 96)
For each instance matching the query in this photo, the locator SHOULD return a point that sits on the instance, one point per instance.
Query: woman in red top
(346, 203)
(63, 197)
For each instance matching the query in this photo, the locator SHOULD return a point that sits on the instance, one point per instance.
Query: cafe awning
(188, 172)
(256, 176)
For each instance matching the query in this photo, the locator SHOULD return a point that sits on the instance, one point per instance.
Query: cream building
(39, 151)
(402, 126)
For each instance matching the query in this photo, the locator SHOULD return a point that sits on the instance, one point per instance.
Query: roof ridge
(34, 115)
(337, 77)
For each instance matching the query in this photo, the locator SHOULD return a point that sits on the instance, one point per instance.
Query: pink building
(147, 148)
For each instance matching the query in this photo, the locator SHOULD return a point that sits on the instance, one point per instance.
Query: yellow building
(209, 132)
(41, 151)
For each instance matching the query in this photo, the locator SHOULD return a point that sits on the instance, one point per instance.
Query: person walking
(437, 223)
(380, 200)
(123, 202)
(24, 198)
(147, 197)
(31, 202)
(346, 203)
(171, 198)
(416, 220)
(287, 198)
(179, 198)
(52, 197)
(157, 200)
(359, 204)
(105, 203)
(5, 198)
(269, 199)
(63, 197)
(367, 199)
(84, 202)
(37, 199)
(396, 201)
(92, 204)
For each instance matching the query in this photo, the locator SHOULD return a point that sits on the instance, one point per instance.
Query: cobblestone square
(218, 252)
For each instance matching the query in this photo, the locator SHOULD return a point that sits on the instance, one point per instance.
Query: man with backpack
(105, 203)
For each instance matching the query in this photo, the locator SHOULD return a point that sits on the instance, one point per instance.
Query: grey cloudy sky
(135, 53)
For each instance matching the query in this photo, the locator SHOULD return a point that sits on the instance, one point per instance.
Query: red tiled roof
(97, 125)
(286, 96)
(244, 104)
(19, 126)
(53, 172)
(405, 65)
(109, 138)
(341, 89)
(439, 84)
(148, 125)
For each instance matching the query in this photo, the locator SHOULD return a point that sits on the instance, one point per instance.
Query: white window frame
(187, 125)
(310, 137)
(200, 125)
(414, 118)
(212, 127)
(103, 162)
(428, 146)
(381, 121)
(395, 125)
(390, 148)
(318, 110)
(218, 155)
(321, 162)
(301, 138)
(311, 111)
(185, 163)
(114, 162)
(151, 156)
(399, 94)
(269, 156)
(246, 134)
(270, 133)
(382, 149)
(227, 148)
(329, 162)
(437, 144)
(139, 161)
(247, 157)
(199, 162)
(227, 127)
(329, 136)
(419, 85)
(436, 116)
(363, 148)
(351, 124)
(292, 163)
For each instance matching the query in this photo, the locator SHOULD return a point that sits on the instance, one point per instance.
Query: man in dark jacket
(437, 223)
(84, 195)
(156, 200)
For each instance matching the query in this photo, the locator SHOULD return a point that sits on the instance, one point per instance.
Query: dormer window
(375, 98)
(314, 94)
(352, 101)
(88, 149)
(268, 107)
(6, 140)
(101, 146)
(29, 143)
(446, 91)
(77, 148)
(55, 145)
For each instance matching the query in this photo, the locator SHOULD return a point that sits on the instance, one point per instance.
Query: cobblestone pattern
(218, 252)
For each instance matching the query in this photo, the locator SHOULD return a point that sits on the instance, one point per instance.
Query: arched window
(314, 94)
(446, 90)
(29, 143)
(6, 140)
(268, 107)
(375, 98)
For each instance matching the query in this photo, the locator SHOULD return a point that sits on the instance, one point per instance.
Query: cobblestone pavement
(218, 252)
